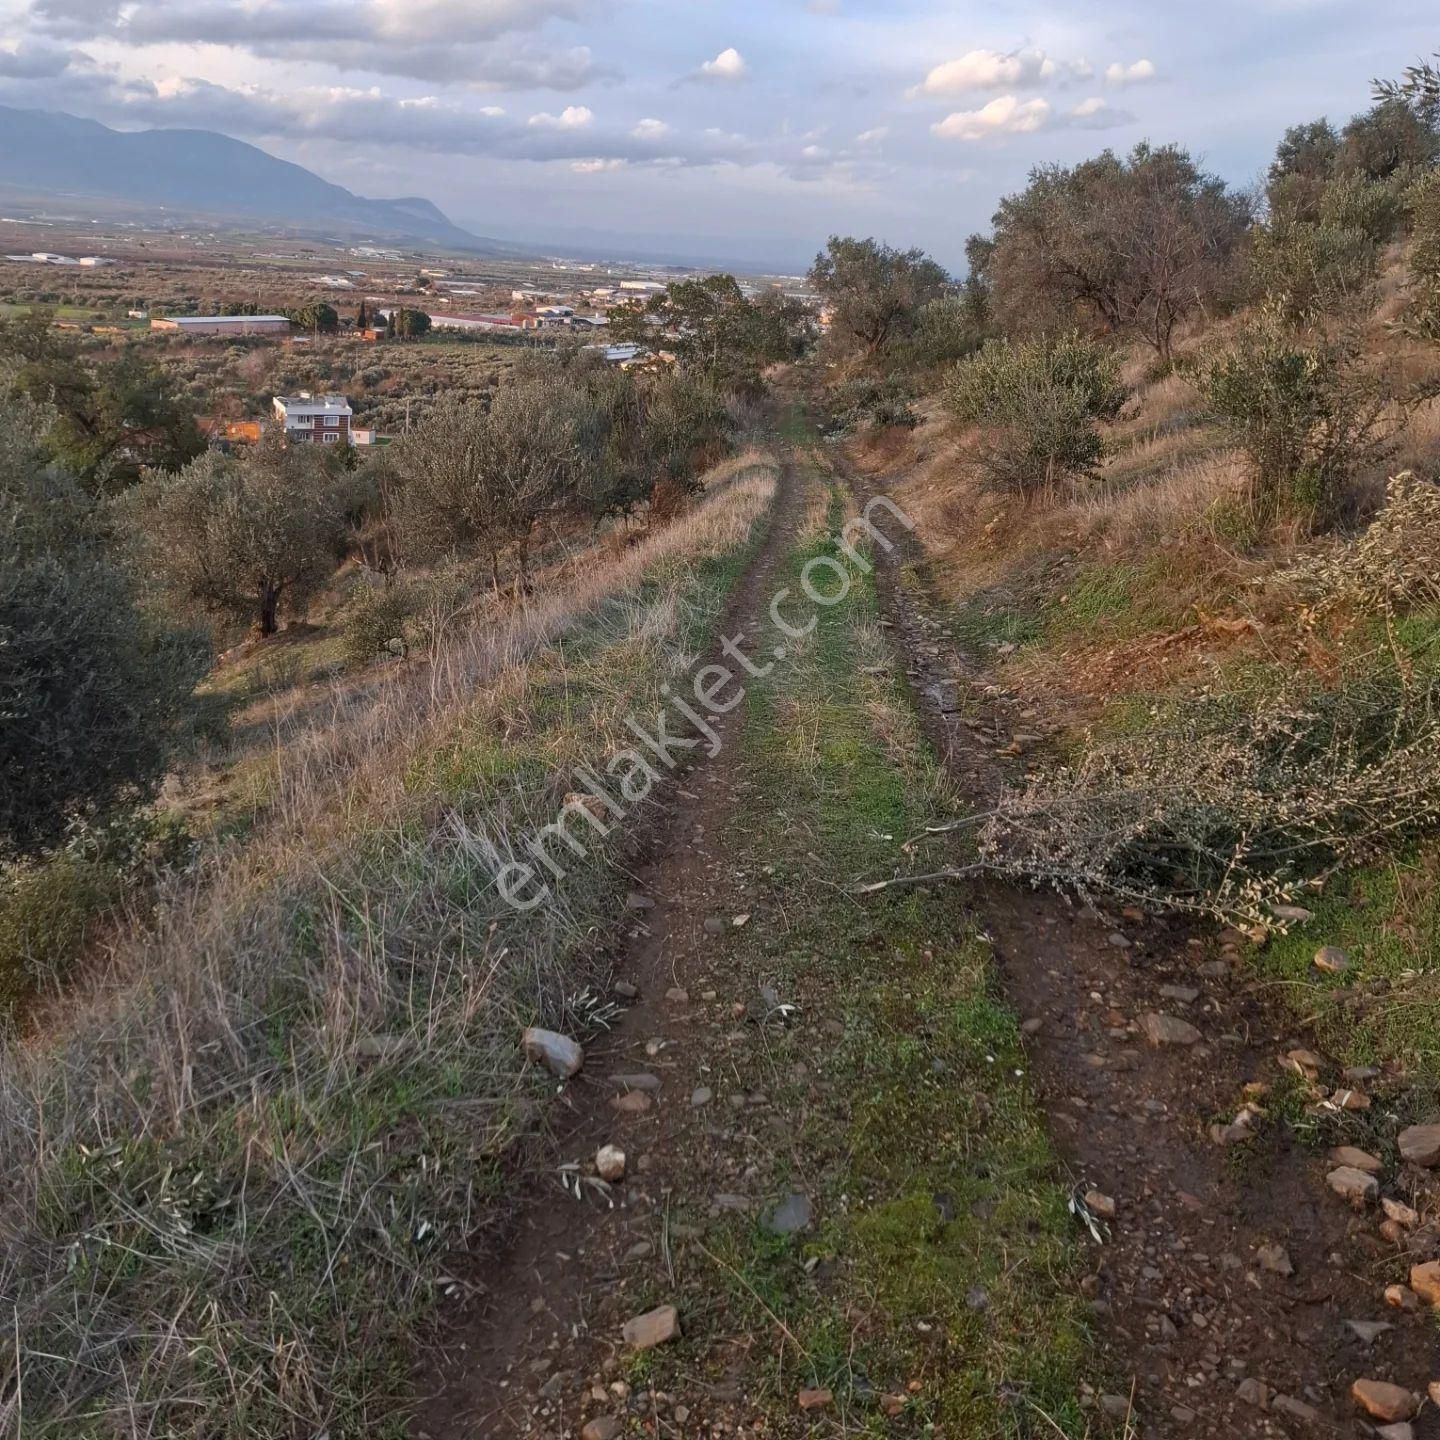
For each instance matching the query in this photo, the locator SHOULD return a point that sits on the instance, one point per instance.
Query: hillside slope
(200, 172)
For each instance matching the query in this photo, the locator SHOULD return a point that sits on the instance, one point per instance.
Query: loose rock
(816, 1399)
(790, 1216)
(644, 1332)
(1099, 1203)
(1351, 1158)
(559, 1054)
(1253, 1392)
(1353, 1185)
(602, 1427)
(702, 1095)
(1168, 1030)
(1383, 1401)
(610, 1163)
(1425, 1281)
(1276, 1259)
(1332, 960)
(1367, 1332)
(1420, 1145)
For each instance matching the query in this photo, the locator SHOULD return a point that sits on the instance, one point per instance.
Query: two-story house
(314, 419)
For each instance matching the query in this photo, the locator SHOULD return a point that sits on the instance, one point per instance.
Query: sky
(741, 129)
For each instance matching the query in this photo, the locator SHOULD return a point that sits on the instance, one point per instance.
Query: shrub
(378, 617)
(1040, 403)
(1376, 208)
(874, 405)
(1306, 413)
(1232, 805)
(94, 693)
(1306, 270)
(1423, 199)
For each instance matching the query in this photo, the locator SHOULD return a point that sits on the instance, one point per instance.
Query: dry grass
(238, 1156)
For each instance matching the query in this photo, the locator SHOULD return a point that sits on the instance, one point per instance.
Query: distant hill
(201, 173)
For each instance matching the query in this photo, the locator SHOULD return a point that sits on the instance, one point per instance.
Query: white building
(314, 419)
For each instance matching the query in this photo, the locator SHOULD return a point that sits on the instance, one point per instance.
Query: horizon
(688, 134)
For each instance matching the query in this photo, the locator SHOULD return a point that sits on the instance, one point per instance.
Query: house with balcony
(314, 419)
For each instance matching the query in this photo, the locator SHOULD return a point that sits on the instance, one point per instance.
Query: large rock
(1353, 1185)
(1383, 1401)
(1425, 1281)
(1168, 1030)
(654, 1328)
(559, 1054)
(1420, 1144)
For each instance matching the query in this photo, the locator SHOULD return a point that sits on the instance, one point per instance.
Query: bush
(1423, 200)
(874, 405)
(1232, 805)
(1376, 208)
(1306, 270)
(378, 616)
(94, 693)
(1040, 403)
(1306, 413)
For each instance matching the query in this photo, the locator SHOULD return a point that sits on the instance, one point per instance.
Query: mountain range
(201, 174)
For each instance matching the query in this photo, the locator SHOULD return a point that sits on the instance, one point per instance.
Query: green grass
(941, 1268)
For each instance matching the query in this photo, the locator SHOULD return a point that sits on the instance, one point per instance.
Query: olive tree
(1137, 244)
(874, 292)
(243, 536)
(93, 690)
(477, 479)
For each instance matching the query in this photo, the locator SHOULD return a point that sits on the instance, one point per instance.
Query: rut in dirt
(1234, 1295)
(551, 1312)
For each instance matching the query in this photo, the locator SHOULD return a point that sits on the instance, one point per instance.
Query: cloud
(29, 60)
(572, 117)
(1006, 115)
(597, 166)
(470, 42)
(1097, 114)
(988, 70)
(728, 65)
(650, 130)
(873, 137)
(1139, 73)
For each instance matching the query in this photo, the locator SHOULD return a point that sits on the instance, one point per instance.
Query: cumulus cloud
(651, 129)
(876, 136)
(596, 166)
(1141, 72)
(1098, 114)
(572, 117)
(988, 70)
(1007, 115)
(727, 65)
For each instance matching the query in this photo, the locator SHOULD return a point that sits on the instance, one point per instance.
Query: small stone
(1367, 1332)
(640, 1080)
(1350, 1099)
(1353, 1185)
(644, 1332)
(740, 921)
(1033, 1026)
(1119, 941)
(891, 1405)
(816, 1399)
(1402, 1431)
(1117, 1407)
(1425, 1281)
(625, 990)
(1292, 914)
(681, 1414)
(1168, 1030)
(559, 1054)
(1401, 1297)
(610, 1163)
(1253, 1392)
(1181, 1414)
(1433, 1390)
(1184, 994)
(1420, 1145)
(1350, 1158)
(1331, 960)
(790, 1216)
(636, 901)
(1276, 1259)
(714, 925)
(1297, 1409)
(1099, 1203)
(1383, 1401)
(632, 1102)
(1304, 1062)
(701, 1095)
(602, 1427)
(676, 995)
